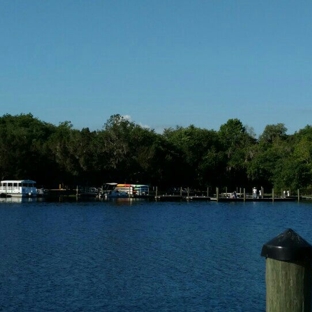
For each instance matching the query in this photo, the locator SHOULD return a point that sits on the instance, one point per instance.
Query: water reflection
(125, 201)
(18, 200)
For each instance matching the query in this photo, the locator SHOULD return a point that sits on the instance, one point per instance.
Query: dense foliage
(125, 152)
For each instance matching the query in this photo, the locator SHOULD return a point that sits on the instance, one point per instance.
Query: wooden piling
(217, 193)
(244, 194)
(298, 195)
(288, 273)
(262, 192)
(272, 194)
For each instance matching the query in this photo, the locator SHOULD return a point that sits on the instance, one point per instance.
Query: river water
(139, 255)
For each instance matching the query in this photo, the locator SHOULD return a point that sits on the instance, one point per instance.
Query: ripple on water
(101, 256)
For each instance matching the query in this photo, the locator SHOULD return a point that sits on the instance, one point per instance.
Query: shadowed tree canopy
(123, 151)
(273, 132)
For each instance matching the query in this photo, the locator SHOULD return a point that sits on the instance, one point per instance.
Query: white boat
(133, 189)
(18, 188)
(117, 190)
(116, 194)
(110, 190)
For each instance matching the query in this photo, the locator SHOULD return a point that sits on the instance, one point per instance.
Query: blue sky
(163, 63)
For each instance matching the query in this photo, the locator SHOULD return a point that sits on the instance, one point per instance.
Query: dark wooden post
(298, 192)
(217, 193)
(288, 273)
(262, 190)
(244, 194)
(207, 191)
(272, 194)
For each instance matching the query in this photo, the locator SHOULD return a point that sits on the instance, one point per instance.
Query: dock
(168, 197)
(198, 197)
(185, 194)
(265, 199)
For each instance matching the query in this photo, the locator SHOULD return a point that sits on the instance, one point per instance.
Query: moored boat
(18, 188)
(116, 194)
(122, 190)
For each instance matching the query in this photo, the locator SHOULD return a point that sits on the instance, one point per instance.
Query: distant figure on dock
(254, 193)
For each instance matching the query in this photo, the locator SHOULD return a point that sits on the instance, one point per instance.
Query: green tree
(23, 147)
(199, 148)
(270, 161)
(273, 133)
(237, 146)
(59, 144)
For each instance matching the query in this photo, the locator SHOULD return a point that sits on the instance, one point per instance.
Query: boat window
(9, 184)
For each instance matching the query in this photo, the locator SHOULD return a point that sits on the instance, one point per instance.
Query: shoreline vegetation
(61, 157)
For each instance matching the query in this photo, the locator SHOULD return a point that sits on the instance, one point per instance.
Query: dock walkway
(265, 199)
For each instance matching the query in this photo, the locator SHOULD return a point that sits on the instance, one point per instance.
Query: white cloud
(144, 126)
(127, 117)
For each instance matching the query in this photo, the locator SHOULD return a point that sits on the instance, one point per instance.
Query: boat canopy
(18, 182)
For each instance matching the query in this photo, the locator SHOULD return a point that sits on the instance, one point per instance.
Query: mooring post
(244, 194)
(207, 191)
(288, 273)
(298, 193)
(156, 192)
(273, 194)
(217, 193)
(262, 191)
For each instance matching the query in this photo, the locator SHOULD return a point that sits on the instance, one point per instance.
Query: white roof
(18, 181)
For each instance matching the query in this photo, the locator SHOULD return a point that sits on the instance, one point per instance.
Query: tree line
(124, 152)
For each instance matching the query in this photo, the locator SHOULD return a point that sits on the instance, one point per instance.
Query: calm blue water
(139, 256)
